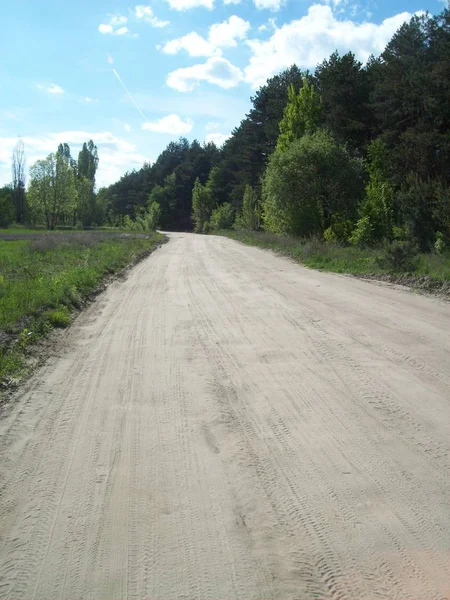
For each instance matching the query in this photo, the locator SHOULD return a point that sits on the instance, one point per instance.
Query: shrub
(202, 205)
(251, 213)
(399, 257)
(145, 223)
(307, 185)
(439, 244)
(362, 235)
(222, 217)
(339, 231)
(59, 317)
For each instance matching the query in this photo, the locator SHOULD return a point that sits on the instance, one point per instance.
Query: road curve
(225, 424)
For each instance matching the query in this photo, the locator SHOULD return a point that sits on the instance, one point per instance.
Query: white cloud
(116, 20)
(110, 60)
(271, 24)
(113, 26)
(172, 124)
(231, 1)
(307, 41)
(116, 154)
(146, 14)
(211, 126)
(273, 5)
(220, 35)
(104, 28)
(192, 42)
(88, 100)
(187, 4)
(51, 89)
(127, 128)
(217, 138)
(216, 70)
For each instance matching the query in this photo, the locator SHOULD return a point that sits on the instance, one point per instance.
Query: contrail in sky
(129, 95)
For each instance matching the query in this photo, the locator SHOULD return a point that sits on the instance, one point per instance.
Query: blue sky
(190, 67)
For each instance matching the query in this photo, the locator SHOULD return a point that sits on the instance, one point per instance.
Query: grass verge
(44, 279)
(431, 273)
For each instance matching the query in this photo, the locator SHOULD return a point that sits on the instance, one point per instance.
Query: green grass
(43, 279)
(331, 257)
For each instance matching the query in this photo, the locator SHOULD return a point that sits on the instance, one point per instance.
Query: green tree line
(61, 190)
(353, 153)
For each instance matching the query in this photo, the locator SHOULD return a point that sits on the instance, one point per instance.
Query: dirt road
(226, 424)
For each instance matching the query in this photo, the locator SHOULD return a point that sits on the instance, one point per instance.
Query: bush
(145, 223)
(202, 205)
(425, 208)
(59, 317)
(309, 184)
(399, 257)
(362, 235)
(222, 217)
(251, 213)
(339, 231)
(439, 244)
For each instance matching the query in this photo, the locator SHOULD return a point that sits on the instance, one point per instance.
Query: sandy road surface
(225, 424)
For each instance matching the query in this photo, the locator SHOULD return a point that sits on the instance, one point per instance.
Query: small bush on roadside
(59, 317)
(362, 235)
(339, 231)
(399, 257)
(222, 217)
(439, 244)
(250, 215)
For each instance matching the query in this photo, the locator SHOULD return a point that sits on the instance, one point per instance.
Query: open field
(44, 276)
(224, 424)
(338, 259)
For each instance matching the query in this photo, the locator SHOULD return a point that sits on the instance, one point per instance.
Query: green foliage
(425, 208)
(302, 115)
(222, 217)
(59, 317)
(439, 245)
(399, 257)
(310, 183)
(154, 215)
(344, 86)
(431, 270)
(7, 210)
(146, 222)
(250, 216)
(52, 193)
(376, 211)
(202, 206)
(339, 231)
(400, 100)
(44, 278)
(362, 236)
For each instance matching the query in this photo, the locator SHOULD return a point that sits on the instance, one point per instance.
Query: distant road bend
(225, 424)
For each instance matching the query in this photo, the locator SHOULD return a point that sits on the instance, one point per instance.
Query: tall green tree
(250, 216)
(344, 86)
(7, 210)
(52, 192)
(202, 206)
(311, 183)
(302, 115)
